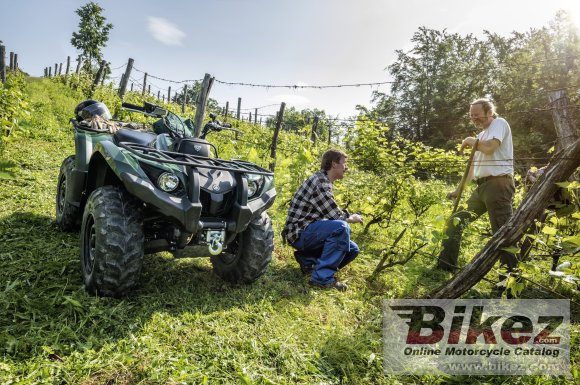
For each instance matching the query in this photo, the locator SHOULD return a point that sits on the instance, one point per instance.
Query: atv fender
(136, 182)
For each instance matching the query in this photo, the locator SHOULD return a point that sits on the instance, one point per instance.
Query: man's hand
(467, 142)
(452, 194)
(354, 218)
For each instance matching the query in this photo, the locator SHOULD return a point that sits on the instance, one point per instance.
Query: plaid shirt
(312, 202)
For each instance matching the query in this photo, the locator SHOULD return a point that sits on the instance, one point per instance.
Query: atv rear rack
(156, 155)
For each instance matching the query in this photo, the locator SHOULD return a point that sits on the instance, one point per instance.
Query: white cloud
(291, 99)
(165, 31)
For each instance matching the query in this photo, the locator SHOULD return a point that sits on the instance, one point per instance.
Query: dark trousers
(494, 196)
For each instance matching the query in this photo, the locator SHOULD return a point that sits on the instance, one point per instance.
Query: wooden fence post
(79, 62)
(201, 102)
(125, 79)
(131, 86)
(11, 68)
(98, 77)
(313, 132)
(149, 89)
(255, 116)
(227, 110)
(2, 64)
(275, 137)
(55, 69)
(144, 84)
(169, 95)
(158, 94)
(563, 123)
(15, 61)
(99, 73)
(45, 72)
(329, 132)
(239, 107)
(67, 65)
(184, 99)
(50, 71)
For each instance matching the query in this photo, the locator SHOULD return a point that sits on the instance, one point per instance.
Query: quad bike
(133, 192)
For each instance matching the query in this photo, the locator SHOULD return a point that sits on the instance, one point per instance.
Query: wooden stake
(125, 78)
(79, 62)
(280, 116)
(184, 99)
(464, 177)
(563, 123)
(201, 102)
(313, 132)
(2, 64)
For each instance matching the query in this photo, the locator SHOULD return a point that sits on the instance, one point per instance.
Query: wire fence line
(344, 123)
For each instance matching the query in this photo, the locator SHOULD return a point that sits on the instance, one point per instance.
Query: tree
(442, 72)
(93, 35)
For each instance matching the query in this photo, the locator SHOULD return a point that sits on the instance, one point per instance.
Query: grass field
(182, 324)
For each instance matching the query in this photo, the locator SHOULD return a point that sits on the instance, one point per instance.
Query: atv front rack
(156, 155)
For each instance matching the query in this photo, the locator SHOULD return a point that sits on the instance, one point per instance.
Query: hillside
(183, 324)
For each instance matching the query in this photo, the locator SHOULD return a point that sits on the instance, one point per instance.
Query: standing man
(492, 169)
(318, 229)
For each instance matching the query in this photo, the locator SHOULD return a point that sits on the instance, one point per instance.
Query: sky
(263, 42)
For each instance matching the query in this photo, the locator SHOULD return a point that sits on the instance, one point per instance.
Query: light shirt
(501, 162)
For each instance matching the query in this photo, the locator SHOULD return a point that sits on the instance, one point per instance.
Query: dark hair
(331, 156)
(486, 104)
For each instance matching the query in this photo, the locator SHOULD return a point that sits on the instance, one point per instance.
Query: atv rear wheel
(68, 216)
(249, 255)
(111, 242)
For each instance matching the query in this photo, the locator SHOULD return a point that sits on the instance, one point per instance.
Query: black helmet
(90, 108)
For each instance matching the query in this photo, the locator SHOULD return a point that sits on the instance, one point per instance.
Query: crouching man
(318, 229)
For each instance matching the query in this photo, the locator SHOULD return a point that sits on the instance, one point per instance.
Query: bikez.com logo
(477, 336)
(426, 326)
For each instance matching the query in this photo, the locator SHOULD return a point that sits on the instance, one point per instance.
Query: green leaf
(574, 239)
(550, 230)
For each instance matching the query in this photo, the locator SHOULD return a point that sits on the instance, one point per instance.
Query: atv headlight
(168, 182)
(255, 183)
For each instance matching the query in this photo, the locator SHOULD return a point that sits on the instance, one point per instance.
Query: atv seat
(132, 136)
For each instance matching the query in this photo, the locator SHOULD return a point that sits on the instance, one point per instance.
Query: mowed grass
(182, 325)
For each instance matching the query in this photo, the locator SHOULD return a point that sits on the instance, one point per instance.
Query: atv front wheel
(111, 242)
(68, 216)
(249, 255)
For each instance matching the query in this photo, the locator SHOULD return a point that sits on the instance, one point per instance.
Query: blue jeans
(326, 246)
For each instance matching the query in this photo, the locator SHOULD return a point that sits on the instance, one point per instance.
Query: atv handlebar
(153, 110)
(217, 126)
(132, 107)
(148, 109)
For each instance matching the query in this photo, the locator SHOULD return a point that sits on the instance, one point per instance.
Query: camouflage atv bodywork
(132, 192)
